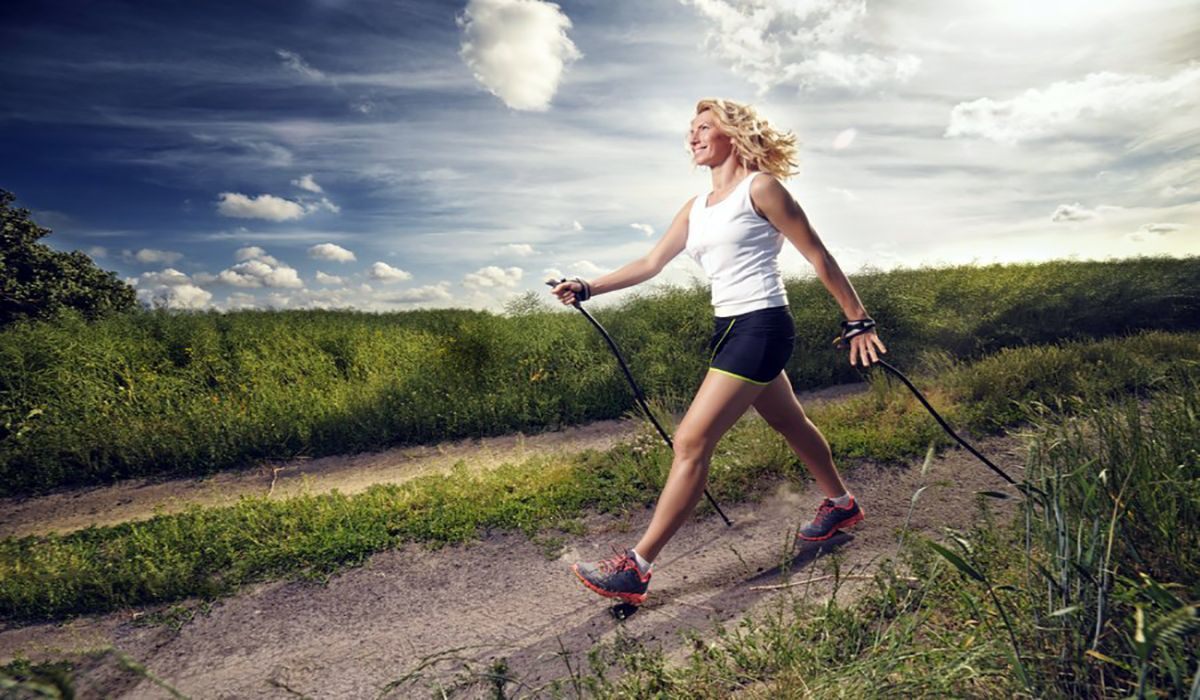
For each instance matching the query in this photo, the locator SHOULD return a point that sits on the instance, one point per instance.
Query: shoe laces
(827, 506)
(617, 563)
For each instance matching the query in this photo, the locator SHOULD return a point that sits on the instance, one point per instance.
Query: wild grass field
(1091, 590)
(168, 393)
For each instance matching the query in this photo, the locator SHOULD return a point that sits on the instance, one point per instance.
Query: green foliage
(37, 282)
(166, 393)
(211, 551)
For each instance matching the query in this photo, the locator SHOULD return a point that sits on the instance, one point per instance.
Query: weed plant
(160, 393)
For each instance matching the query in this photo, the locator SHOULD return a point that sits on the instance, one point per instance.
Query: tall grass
(156, 393)
(212, 551)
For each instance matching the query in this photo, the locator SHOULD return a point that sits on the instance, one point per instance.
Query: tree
(37, 281)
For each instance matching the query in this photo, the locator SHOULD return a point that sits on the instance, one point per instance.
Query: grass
(210, 552)
(169, 393)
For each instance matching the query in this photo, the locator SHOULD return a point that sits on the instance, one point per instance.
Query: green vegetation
(206, 552)
(37, 281)
(162, 393)
(1093, 590)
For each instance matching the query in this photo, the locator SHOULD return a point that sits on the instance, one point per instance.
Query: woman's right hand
(566, 291)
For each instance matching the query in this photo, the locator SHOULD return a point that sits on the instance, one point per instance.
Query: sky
(387, 156)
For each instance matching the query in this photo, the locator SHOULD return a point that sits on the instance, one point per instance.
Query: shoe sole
(631, 598)
(853, 519)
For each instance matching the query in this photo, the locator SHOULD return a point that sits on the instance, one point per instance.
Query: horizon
(357, 154)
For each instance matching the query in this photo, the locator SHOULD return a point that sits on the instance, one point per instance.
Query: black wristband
(586, 292)
(853, 328)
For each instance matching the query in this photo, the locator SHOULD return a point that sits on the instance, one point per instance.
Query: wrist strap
(586, 293)
(851, 329)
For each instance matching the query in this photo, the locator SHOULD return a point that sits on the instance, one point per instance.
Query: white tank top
(739, 251)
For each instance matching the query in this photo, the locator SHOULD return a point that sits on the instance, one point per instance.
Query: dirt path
(140, 499)
(435, 617)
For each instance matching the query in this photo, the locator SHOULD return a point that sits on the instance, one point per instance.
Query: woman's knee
(691, 446)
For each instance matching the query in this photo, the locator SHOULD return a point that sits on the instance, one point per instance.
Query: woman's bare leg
(718, 404)
(780, 408)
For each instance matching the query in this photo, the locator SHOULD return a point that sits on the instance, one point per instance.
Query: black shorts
(754, 346)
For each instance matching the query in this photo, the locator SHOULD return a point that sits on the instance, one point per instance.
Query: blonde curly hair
(756, 143)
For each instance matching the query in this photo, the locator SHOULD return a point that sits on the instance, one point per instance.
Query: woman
(735, 232)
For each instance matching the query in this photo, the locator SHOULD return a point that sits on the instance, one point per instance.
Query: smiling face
(709, 146)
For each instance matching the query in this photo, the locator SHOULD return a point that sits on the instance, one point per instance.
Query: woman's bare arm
(781, 209)
(671, 244)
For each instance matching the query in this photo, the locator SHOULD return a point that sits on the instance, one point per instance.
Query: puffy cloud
(492, 276)
(323, 278)
(330, 251)
(844, 139)
(150, 256)
(264, 206)
(518, 49)
(253, 252)
(774, 42)
(175, 296)
(1065, 106)
(644, 228)
(258, 269)
(97, 251)
(386, 273)
(169, 277)
(521, 249)
(306, 182)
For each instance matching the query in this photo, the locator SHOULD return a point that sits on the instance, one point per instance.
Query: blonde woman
(735, 231)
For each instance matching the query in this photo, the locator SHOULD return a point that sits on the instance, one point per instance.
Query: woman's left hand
(863, 346)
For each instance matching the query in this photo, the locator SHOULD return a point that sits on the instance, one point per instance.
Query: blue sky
(399, 155)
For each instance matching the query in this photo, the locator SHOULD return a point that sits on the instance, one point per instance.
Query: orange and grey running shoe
(831, 518)
(615, 577)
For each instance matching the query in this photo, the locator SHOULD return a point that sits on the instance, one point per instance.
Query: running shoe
(831, 518)
(615, 577)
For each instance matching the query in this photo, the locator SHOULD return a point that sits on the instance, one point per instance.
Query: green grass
(169, 393)
(208, 552)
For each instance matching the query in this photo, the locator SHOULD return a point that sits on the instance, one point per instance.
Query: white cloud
(150, 256)
(169, 277)
(428, 293)
(330, 251)
(587, 267)
(1065, 107)
(774, 42)
(518, 49)
(176, 296)
(576, 225)
(644, 228)
(293, 61)
(241, 300)
(323, 203)
(306, 182)
(253, 252)
(258, 269)
(844, 139)
(844, 193)
(521, 249)
(386, 273)
(323, 278)
(97, 251)
(492, 276)
(264, 206)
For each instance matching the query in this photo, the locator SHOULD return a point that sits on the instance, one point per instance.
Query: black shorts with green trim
(754, 346)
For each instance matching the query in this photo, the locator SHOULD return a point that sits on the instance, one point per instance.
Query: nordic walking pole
(853, 328)
(637, 391)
